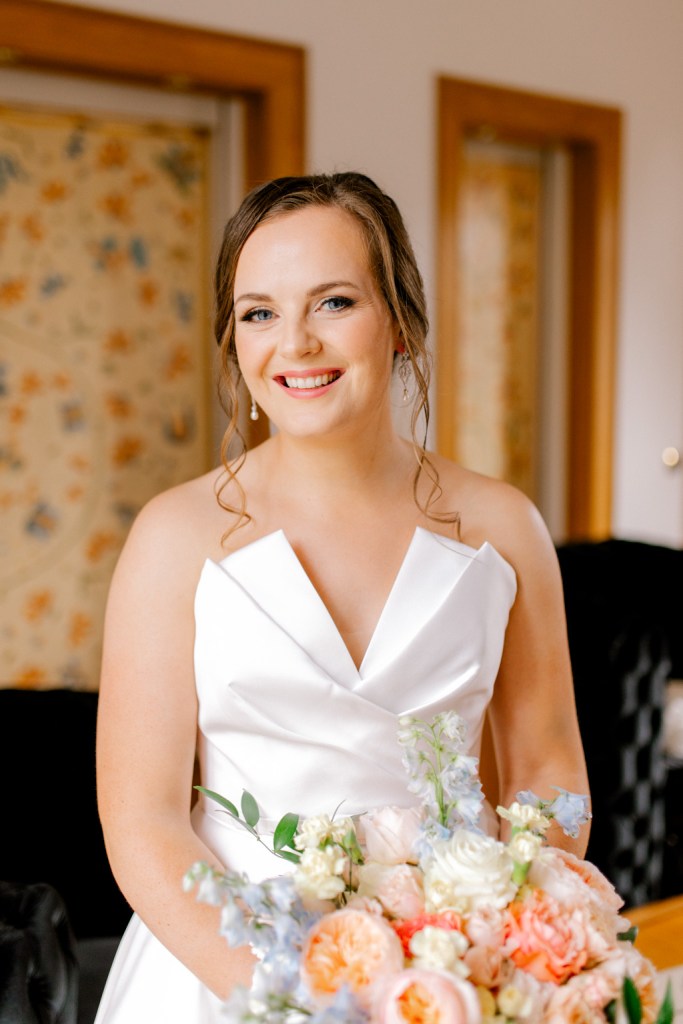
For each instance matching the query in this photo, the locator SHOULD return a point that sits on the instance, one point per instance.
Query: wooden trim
(592, 136)
(269, 77)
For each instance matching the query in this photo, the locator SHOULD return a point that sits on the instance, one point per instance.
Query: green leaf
(286, 855)
(350, 844)
(628, 936)
(250, 809)
(285, 830)
(229, 807)
(666, 1010)
(611, 1012)
(632, 1005)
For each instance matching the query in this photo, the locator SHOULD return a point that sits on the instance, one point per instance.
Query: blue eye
(336, 303)
(257, 316)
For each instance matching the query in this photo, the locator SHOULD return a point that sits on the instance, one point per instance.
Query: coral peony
(545, 939)
(389, 834)
(427, 997)
(352, 948)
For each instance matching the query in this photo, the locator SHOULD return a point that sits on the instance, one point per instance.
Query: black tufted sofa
(624, 602)
(52, 857)
(625, 619)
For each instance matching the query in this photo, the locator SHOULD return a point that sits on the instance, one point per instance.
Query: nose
(298, 338)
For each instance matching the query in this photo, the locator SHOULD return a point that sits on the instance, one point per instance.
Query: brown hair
(392, 262)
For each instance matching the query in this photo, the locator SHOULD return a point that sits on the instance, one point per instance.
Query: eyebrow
(316, 290)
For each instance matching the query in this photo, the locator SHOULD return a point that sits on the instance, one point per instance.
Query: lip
(309, 392)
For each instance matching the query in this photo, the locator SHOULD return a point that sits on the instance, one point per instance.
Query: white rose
(318, 873)
(468, 871)
(389, 834)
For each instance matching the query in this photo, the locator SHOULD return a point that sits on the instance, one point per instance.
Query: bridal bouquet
(415, 916)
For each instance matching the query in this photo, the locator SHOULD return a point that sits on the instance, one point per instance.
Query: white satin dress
(285, 714)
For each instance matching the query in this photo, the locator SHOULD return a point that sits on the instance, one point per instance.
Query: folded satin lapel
(269, 571)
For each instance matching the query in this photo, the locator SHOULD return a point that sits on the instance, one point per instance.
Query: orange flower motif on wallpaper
(33, 227)
(100, 544)
(33, 677)
(118, 406)
(180, 362)
(80, 628)
(12, 291)
(127, 449)
(38, 604)
(31, 384)
(54, 191)
(118, 341)
(148, 292)
(113, 153)
(117, 206)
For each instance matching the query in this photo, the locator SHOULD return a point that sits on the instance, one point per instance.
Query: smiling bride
(280, 613)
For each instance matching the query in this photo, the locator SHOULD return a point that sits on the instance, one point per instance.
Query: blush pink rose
(398, 887)
(389, 834)
(427, 997)
(547, 940)
(349, 947)
(487, 966)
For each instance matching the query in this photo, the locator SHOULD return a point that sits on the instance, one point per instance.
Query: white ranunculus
(468, 871)
(318, 873)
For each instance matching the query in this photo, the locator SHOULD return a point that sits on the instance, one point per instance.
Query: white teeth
(305, 383)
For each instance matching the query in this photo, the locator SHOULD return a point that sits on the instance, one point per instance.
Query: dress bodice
(283, 710)
(285, 713)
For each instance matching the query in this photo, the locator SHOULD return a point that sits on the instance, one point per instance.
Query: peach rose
(427, 997)
(349, 947)
(398, 887)
(389, 834)
(545, 939)
(568, 1006)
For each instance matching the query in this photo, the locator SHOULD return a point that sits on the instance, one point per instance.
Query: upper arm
(532, 714)
(148, 709)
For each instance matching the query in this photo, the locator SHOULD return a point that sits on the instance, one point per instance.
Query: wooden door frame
(269, 78)
(592, 136)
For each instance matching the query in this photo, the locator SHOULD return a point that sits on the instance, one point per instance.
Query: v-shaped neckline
(419, 534)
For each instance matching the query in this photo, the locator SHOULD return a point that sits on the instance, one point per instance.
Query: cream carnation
(312, 831)
(318, 873)
(439, 949)
(468, 871)
(525, 846)
(524, 816)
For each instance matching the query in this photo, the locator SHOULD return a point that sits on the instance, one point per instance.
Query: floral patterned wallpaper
(498, 355)
(104, 341)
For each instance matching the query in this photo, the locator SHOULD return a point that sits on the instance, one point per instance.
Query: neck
(359, 469)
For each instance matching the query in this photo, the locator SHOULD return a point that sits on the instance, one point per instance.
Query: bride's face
(314, 337)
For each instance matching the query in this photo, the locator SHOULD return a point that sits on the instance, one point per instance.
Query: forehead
(320, 241)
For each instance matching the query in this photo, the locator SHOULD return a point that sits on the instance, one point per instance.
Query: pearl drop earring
(253, 412)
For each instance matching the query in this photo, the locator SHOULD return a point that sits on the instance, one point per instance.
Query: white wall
(371, 102)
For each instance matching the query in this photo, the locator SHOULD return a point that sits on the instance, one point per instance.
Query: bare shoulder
(175, 531)
(494, 511)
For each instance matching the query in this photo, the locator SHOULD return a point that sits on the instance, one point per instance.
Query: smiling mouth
(310, 382)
